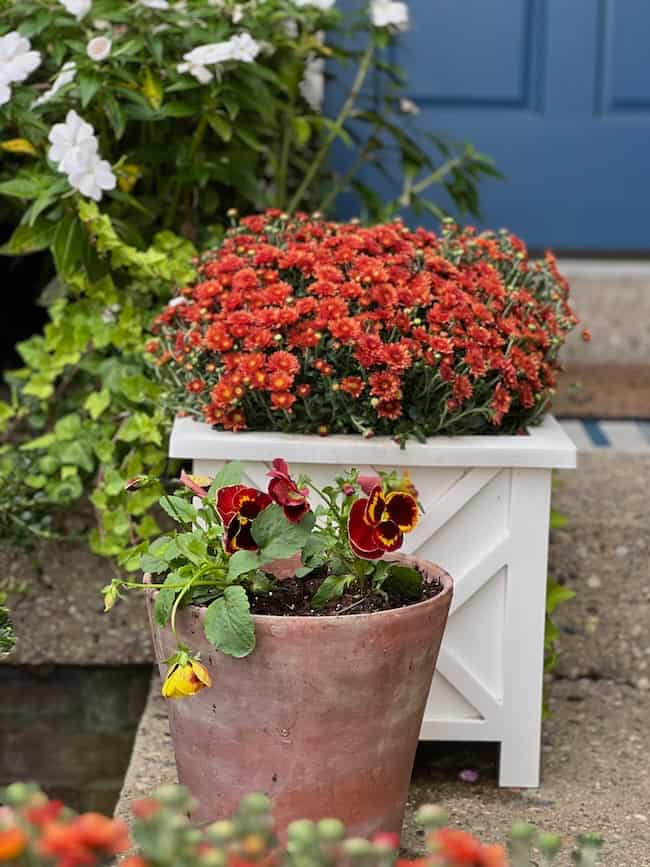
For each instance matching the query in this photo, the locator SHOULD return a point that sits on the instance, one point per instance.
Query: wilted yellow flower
(128, 176)
(19, 146)
(187, 679)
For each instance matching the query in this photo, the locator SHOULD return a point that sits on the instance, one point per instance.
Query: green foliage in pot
(169, 114)
(42, 832)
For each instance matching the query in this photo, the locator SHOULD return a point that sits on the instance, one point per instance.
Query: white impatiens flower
(65, 76)
(244, 48)
(205, 55)
(17, 62)
(75, 150)
(99, 48)
(89, 174)
(66, 138)
(201, 73)
(312, 86)
(389, 13)
(155, 4)
(241, 47)
(319, 4)
(78, 8)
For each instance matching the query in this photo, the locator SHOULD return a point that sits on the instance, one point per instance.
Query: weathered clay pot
(323, 716)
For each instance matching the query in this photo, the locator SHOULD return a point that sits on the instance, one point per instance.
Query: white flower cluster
(17, 62)
(75, 151)
(241, 47)
(389, 13)
(318, 4)
(78, 8)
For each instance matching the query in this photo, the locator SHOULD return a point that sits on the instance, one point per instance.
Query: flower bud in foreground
(430, 816)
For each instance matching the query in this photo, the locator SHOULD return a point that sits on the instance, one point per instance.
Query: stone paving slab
(59, 617)
(604, 391)
(615, 307)
(595, 769)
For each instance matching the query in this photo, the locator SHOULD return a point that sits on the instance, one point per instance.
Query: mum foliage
(300, 324)
(43, 833)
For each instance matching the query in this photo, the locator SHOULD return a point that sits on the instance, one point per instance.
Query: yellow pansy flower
(186, 679)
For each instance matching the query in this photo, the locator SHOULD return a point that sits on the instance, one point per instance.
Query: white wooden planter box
(486, 521)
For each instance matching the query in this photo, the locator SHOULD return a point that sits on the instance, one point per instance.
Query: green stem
(435, 177)
(283, 165)
(343, 182)
(197, 139)
(177, 602)
(336, 128)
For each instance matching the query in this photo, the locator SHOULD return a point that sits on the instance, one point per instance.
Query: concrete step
(612, 299)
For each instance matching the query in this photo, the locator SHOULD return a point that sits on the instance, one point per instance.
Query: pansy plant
(232, 542)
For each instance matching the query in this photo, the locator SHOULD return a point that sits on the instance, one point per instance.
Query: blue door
(558, 93)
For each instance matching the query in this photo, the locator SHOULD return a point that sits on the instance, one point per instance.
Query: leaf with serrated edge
(228, 623)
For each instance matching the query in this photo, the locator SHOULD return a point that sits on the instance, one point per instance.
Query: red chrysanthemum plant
(234, 544)
(302, 325)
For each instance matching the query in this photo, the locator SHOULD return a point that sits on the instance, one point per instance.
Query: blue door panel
(558, 93)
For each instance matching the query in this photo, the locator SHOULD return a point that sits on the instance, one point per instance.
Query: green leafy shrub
(111, 100)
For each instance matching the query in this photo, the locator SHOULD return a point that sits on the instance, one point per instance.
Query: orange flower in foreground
(454, 848)
(13, 843)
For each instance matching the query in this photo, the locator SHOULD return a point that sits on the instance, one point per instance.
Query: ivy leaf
(97, 402)
(228, 623)
(165, 597)
(242, 562)
(230, 474)
(558, 520)
(556, 594)
(332, 587)
(178, 509)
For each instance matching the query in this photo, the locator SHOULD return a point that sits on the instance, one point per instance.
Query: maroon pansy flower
(238, 506)
(377, 523)
(286, 493)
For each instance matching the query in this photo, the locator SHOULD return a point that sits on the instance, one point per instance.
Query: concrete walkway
(596, 774)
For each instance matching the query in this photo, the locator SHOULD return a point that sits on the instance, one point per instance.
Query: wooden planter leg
(524, 629)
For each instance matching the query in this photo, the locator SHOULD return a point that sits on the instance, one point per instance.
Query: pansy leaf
(228, 623)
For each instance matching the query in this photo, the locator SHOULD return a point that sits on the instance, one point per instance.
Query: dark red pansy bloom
(377, 523)
(238, 506)
(286, 493)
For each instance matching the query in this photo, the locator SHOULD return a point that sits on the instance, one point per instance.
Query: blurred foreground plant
(38, 832)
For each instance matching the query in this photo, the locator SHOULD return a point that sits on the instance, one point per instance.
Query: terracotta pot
(323, 716)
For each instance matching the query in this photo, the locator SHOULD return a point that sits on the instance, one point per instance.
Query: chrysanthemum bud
(255, 804)
(331, 830)
(430, 817)
(302, 832)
